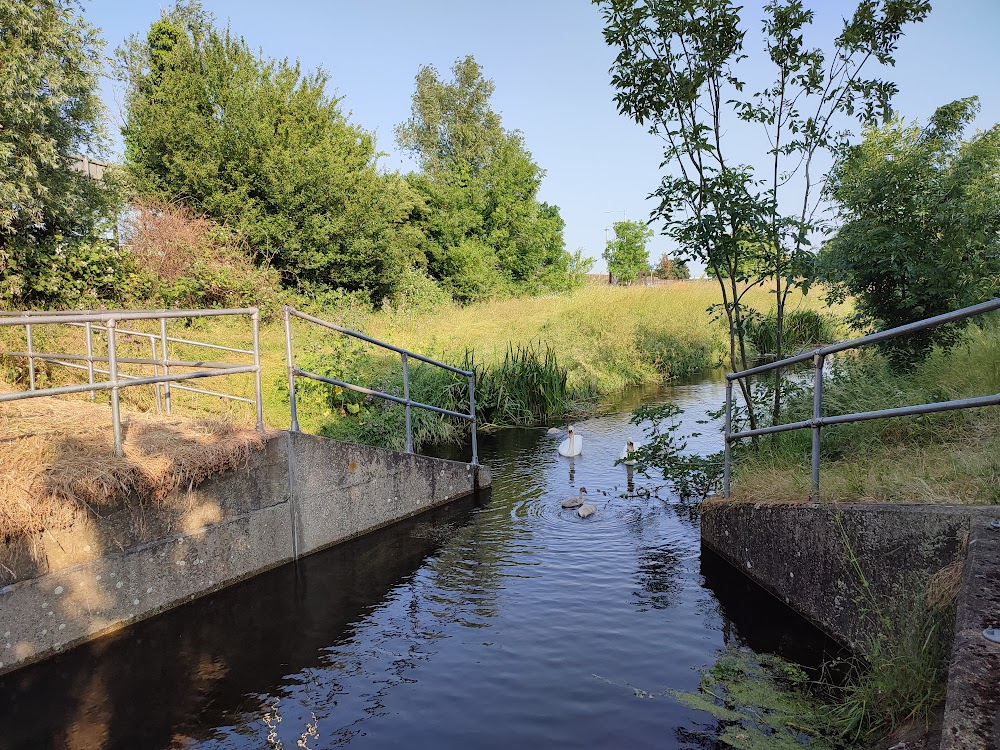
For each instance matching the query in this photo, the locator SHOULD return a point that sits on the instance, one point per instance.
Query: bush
(191, 261)
(803, 329)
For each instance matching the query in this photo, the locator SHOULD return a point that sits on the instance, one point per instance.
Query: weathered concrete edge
(79, 600)
(798, 553)
(972, 706)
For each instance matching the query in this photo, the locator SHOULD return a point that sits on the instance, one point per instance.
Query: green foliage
(49, 110)
(762, 702)
(679, 72)
(70, 272)
(258, 144)
(626, 254)
(921, 215)
(803, 329)
(483, 230)
(692, 476)
(677, 354)
(526, 387)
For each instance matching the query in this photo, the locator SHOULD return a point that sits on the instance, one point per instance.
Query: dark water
(495, 622)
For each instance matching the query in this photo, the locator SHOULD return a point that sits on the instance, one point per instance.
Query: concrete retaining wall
(299, 495)
(803, 554)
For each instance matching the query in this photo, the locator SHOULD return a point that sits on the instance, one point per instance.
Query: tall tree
(678, 71)
(50, 60)
(626, 255)
(258, 144)
(920, 232)
(480, 186)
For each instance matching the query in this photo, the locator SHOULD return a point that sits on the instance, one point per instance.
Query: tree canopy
(626, 254)
(920, 231)
(49, 110)
(257, 143)
(485, 229)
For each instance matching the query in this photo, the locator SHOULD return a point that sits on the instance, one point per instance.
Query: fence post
(90, 358)
(817, 414)
(156, 373)
(116, 417)
(258, 391)
(472, 411)
(166, 367)
(728, 460)
(31, 360)
(406, 395)
(294, 427)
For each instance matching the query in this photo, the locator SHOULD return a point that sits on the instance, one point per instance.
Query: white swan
(586, 510)
(575, 502)
(572, 445)
(627, 452)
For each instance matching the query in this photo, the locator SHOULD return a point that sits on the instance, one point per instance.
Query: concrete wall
(299, 495)
(802, 554)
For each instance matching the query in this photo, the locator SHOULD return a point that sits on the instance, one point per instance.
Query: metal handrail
(818, 421)
(289, 312)
(108, 323)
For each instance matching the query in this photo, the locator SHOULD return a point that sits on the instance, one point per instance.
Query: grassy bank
(953, 457)
(535, 358)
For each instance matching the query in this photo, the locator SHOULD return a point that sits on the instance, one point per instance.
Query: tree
(626, 254)
(920, 231)
(669, 267)
(49, 110)
(678, 72)
(480, 185)
(259, 145)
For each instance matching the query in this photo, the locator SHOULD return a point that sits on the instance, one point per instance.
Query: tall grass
(951, 457)
(803, 329)
(526, 387)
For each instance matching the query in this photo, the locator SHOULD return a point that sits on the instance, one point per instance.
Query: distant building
(90, 167)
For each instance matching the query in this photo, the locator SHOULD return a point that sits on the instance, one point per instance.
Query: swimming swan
(627, 452)
(586, 510)
(572, 445)
(575, 502)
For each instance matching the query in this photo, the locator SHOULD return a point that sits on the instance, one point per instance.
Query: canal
(494, 622)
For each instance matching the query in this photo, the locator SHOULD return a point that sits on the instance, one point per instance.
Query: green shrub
(803, 329)
(526, 387)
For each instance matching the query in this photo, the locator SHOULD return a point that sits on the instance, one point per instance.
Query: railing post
(728, 460)
(156, 373)
(258, 391)
(31, 360)
(90, 359)
(406, 395)
(166, 367)
(817, 415)
(472, 411)
(294, 427)
(116, 417)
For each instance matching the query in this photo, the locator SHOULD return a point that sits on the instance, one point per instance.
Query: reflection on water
(488, 623)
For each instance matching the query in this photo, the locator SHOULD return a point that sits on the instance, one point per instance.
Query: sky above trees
(550, 66)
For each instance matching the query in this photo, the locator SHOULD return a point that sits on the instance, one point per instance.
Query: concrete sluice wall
(297, 496)
(813, 557)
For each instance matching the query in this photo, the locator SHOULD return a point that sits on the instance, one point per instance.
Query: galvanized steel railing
(818, 421)
(107, 322)
(405, 355)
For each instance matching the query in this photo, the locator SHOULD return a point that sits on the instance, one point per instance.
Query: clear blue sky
(550, 66)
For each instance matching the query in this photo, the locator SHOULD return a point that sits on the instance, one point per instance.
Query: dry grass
(56, 459)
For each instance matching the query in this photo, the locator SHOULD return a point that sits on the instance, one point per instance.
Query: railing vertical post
(727, 465)
(31, 361)
(406, 395)
(90, 359)
(166, 367)
(257, 389)
(294, 427)
(116, 416)
(156, 373)
(817, 414)
(472, 411)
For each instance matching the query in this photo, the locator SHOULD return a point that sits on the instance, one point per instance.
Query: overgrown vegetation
(949, 457)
